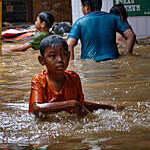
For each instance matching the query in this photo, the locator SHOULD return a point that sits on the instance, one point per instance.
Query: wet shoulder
(113, 16)
(71, 74)
(112, 19)
(40, 77)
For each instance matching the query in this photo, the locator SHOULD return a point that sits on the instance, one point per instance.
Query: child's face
(38, 23)
(56, 59)
(85, 9)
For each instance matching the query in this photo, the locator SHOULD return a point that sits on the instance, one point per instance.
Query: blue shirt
(97, 32)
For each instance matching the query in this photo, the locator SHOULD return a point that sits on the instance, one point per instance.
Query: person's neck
(56, 77)
(92, 11)
(44, 30)
(57, 80)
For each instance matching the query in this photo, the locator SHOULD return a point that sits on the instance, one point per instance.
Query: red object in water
(23, 36)
(17, 34)
(9, 33)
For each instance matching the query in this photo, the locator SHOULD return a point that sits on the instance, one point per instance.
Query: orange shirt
(42, 91)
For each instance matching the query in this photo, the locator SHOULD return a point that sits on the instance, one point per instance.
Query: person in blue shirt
(97, 32)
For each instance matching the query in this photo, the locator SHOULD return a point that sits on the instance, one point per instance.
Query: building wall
(14, 11)
(0, 14)
(140, 24)
(27, 10)
(61, 9)
(76, 10)
(0, 23)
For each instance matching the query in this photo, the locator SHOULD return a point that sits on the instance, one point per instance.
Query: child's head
(44, 20)
(61, 28)
(120, 10)
(54, 53)
(92, 5)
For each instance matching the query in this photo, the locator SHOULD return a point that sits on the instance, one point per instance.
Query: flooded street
(124, 81)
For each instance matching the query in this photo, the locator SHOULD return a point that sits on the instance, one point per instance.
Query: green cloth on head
(37, 39)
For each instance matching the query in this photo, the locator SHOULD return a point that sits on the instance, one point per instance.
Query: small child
(57, 89)
(43, 23)
(62, 29)
(120, 10)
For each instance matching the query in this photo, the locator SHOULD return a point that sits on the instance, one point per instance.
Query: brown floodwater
(124, 81)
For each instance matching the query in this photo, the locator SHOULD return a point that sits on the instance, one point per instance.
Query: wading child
(57, 89)
(120, 10)
(43, 23)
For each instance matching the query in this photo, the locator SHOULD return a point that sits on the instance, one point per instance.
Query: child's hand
(40, 115)
(119, 108)
(81, 111)
(77, 108)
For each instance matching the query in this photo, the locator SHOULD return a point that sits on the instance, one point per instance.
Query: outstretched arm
(20, 48)
(95, 106)
(55, 106)
(131, 38)
(47, 108)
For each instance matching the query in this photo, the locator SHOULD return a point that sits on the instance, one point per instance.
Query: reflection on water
(124, 81)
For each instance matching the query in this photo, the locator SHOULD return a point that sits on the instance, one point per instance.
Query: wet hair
(119, 9)
(52, 41)
(95, 5)
(61, 28)
(47, 17)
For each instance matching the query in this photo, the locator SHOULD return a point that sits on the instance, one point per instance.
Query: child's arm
(94, 106)
(47, 108)
(20, 48)
(55, 106)
(91, 106)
